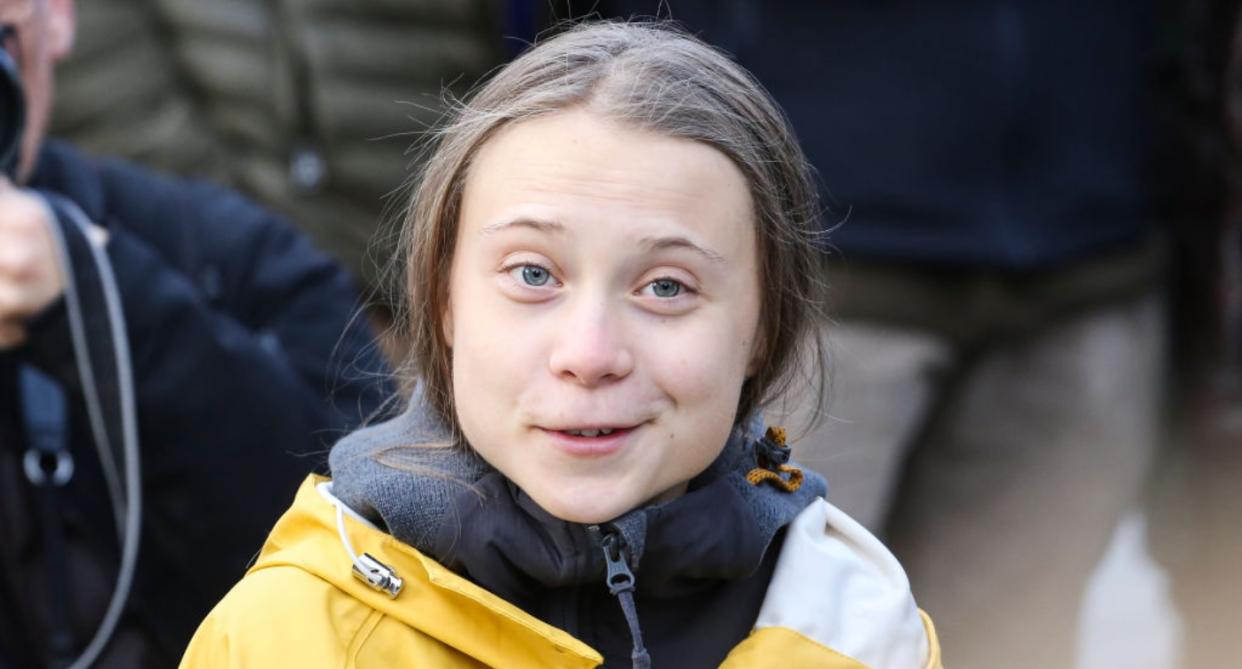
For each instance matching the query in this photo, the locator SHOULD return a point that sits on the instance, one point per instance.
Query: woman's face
(603, 308)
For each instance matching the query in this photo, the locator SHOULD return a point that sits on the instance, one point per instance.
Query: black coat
(249, 359)
(1010, 135)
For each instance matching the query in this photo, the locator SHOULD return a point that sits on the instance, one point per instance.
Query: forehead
(578, 162)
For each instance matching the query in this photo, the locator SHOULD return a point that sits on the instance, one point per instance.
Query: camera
(12, 105)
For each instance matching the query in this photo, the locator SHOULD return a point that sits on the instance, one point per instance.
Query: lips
(590, 441)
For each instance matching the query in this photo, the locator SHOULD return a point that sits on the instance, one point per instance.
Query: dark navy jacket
(249, 361)
(1001, 134)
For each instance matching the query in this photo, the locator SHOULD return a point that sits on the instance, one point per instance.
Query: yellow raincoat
(301, 606)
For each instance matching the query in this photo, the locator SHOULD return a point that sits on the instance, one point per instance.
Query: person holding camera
(171, 355)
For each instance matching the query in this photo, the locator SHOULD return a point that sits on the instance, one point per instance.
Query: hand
(31, 277)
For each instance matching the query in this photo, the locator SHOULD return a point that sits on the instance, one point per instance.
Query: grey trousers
(995, 474)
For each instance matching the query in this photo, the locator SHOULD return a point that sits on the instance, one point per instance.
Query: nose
(590, 349)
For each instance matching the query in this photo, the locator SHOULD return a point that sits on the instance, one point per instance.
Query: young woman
(611, 268)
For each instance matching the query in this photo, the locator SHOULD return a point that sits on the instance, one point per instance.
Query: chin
(587, 509)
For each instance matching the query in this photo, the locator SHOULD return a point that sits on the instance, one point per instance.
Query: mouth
(592, 440)
(592, 432)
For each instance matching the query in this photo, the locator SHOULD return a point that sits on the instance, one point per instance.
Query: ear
(62, 28)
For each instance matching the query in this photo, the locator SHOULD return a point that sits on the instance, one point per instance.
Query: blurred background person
(999, 351)
(308, 106)
(244, 361)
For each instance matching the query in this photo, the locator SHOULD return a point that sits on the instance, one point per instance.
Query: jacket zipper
(620, 581)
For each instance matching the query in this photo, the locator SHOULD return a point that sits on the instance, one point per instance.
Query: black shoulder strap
(48, 466)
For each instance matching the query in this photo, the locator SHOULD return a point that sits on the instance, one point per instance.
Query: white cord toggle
(367, 569)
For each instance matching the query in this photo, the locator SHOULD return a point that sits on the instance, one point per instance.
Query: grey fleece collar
(410, 492)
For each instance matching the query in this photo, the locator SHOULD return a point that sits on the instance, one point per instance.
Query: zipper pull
(620, 578)
(620, 582)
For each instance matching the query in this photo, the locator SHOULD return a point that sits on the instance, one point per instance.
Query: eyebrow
(541, 226)
(677, 242)
(649, 243)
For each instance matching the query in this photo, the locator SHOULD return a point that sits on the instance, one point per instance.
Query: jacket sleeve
(281, 617)
(285, 617)
(838, 598)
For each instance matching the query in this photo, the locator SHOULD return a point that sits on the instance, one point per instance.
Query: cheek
(482, 346)
(704, 367)
(487, 383)
(493, 352)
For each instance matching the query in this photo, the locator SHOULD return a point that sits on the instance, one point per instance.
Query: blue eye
(666, 288)
(534, 275)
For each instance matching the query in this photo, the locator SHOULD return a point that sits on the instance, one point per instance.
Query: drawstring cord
(620, 581)
(366, 568)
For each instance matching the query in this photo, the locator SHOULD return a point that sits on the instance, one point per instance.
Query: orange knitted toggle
(761, 474)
